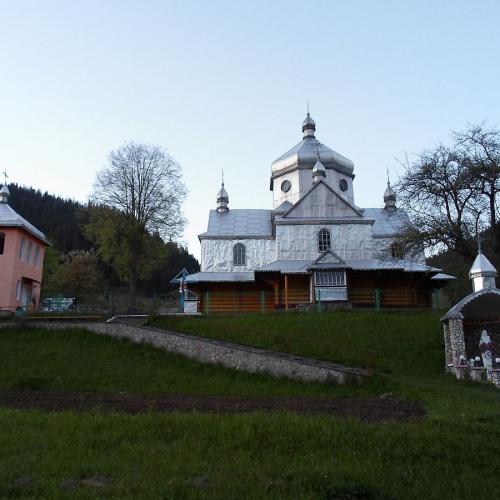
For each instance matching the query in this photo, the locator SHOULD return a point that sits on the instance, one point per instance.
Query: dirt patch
(368, 410)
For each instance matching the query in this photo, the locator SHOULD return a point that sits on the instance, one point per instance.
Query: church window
(286, 185)
(343, 185)
(324, 240)
(397, 251)
(191, 295)
(239, 254)
(330, 278)
(2, 242)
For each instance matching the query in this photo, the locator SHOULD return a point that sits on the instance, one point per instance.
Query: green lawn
(76, 360)
(454, 453)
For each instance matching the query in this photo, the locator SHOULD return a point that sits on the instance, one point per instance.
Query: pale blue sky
(225, 84)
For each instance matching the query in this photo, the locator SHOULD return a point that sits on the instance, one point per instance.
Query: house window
(239, 257)
(2, 242)
(30, 251)
(18, 290)
(330, 278)
(324, 240)
(21, 248)
(191, 295)
(37, 256)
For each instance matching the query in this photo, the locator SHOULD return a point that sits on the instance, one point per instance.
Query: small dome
(308, 123)
(318, 169)
(222, 194)
(389, 194)
(4, 194)
(482, 266)
(390, 198)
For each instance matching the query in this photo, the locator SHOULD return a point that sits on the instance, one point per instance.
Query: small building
(315, 247)
(472, 328)
(22, 249)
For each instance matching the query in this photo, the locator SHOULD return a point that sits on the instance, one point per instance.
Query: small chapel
(315, 248)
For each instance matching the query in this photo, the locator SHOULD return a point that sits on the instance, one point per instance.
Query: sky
(224, 85)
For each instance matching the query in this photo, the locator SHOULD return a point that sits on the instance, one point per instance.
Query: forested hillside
(63, 222)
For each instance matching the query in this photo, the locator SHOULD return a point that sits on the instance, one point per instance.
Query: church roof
(220, 277)
(302, 266)
(10, 218)
(239, 223)
(305, 154)
(387, 223)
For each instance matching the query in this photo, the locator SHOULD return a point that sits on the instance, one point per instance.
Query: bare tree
(481, 146)
(142, 187)
(441, 198)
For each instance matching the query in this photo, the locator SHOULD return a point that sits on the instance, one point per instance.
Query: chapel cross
(5, 176)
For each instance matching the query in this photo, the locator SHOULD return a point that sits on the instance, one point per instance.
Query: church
(315, 248)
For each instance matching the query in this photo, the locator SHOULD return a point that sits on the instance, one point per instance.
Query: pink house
(22, 249)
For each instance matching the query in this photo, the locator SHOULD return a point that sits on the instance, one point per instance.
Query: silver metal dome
(318, 170)
(4, 194)
(304, 155)
(482, 267)
(222, 199)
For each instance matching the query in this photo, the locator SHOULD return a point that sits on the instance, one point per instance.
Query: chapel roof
(10, 218)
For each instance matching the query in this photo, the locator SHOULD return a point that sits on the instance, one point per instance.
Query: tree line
(125, 235)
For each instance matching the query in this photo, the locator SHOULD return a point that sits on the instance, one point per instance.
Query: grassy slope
(452, 454)
(79, 361)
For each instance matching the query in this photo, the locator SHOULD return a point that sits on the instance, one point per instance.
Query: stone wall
(218, 352)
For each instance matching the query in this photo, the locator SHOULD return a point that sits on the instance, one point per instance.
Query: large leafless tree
(441, 198)
(138, 193)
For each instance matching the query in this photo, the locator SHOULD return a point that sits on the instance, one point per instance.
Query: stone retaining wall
(236, 356)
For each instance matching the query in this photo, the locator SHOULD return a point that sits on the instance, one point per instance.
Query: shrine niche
(472, 328)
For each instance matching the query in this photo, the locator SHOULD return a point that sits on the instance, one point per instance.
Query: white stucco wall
(217, 254)
(302, 181)
(293, 195)
(349, 241)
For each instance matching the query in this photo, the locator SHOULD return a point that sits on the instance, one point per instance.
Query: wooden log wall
(234, 298)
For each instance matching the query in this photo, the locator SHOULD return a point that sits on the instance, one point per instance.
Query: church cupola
(482, 273)
(4, 194)
(222, 198)
(308, 127)
(390, 198)
(318, 171)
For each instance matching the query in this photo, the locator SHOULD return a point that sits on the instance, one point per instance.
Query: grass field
(453, 453)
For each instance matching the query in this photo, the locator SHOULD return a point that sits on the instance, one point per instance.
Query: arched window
(239, 257)
(2, 242)
(324, 240)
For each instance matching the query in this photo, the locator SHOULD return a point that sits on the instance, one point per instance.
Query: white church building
(316, 245)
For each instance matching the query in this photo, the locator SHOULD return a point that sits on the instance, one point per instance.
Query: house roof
(245, 223)
(10, 218)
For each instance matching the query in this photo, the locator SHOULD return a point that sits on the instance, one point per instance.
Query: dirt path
(367, 410)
